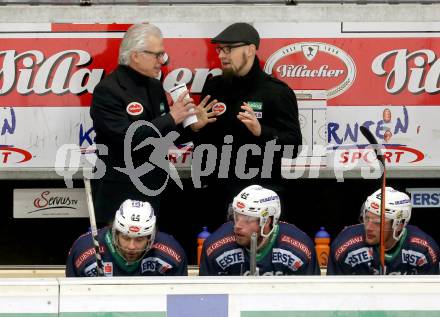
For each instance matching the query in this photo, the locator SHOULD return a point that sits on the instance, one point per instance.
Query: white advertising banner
(50, 203)
(410, 135)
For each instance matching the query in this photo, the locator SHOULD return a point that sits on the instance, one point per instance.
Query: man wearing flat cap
(252, 107)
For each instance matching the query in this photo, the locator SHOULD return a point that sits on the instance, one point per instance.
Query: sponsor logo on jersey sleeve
(353, 241)
(84, 256)
(218, 244)
(423, 243)
(297, 245)
(168, 250)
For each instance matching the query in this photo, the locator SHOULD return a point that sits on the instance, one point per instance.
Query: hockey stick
(93, 227)
(369, 136)
(253, 255)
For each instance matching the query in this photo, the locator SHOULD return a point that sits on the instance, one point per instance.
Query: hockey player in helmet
(130, 247)
(282, 248)
(408, 250)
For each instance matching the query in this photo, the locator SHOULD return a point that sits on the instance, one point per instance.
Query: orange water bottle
(322, 246)
(200, 239)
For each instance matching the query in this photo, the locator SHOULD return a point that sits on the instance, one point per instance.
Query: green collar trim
(268, 247)
(117, 257)
(389, 257)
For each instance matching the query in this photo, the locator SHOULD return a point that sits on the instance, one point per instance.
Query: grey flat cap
(238, 32)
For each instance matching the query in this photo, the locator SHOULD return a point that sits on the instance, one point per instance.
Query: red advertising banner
(48, 71)
(388, 83)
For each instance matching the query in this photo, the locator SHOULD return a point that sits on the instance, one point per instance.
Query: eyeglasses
(227, 48)
(158, 55)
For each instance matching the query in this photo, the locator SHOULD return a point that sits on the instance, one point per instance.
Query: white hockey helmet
(397, 208)
(134, 219)
(259, 202)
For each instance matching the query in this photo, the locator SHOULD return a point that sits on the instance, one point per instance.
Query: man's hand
(182, 108)
(204, 115)
(249, 119)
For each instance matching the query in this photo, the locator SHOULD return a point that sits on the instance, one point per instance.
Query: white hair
(134, 40)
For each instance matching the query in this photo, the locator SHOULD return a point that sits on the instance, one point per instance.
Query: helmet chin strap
(263, 225)
(261, 243)
(396, 238)
(264, 237)
(395, 226)
(120, 249)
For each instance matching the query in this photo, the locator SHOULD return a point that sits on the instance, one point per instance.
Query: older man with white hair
(127, 95)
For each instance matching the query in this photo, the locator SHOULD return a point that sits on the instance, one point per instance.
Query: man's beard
(230, 72)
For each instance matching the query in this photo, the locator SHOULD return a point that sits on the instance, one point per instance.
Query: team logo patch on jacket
(135, 108)
(162, 108)
(219, 108)
(257, 106)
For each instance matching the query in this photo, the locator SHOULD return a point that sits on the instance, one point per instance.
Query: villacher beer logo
(313, 65)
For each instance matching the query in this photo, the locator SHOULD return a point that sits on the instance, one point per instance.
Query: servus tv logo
(47, 200)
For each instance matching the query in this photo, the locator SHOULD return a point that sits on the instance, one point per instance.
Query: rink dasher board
(232, 297)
